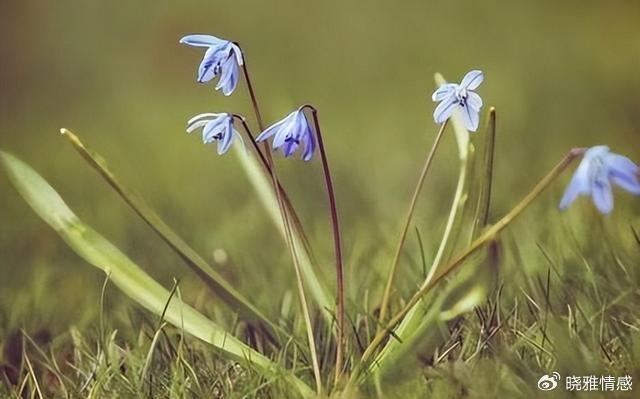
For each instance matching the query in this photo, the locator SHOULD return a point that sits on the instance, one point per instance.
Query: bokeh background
(560, 74)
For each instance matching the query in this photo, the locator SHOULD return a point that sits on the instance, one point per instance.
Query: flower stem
(283, 200)
(252, 93)
(267, 160)
(486, 237)
(267, 169)
(337, 243)
(405, 229)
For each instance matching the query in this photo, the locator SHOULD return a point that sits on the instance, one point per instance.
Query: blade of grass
(481, 217)
(192, 259)
(127, 275)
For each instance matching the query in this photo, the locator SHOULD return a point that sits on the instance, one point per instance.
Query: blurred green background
(560, 74)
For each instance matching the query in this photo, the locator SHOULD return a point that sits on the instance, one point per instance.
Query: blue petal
(309, 145)
(472, 80)
(201, 40)
(470, 117)
(213, 128)
(228, 78)
(445, 109)
(207, 69)
(237, 52)
(271, 130)
(474, 101)
(443, 91)
(580, 184)
(624, 173)
(289, 148)
(227, 138)
(602, 196)
(288, 128)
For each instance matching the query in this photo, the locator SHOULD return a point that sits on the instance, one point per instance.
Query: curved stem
(270, 168)
(487, 236)
(252, 93)
(267, 160)
(337, 243)
(297, 224)
(405, 229)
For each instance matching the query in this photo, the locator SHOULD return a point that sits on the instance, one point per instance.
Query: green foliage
(125, 274)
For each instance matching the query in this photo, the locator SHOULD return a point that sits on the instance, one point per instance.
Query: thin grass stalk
(484, 202)
(337, 244)
(407, 223)
(486, 237)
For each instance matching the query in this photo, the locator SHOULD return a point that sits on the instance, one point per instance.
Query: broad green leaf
(127, 275)
(192, 259)
(264, 188)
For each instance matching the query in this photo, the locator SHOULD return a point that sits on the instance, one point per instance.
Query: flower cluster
(597, 172)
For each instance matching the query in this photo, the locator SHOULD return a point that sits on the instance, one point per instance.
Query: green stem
(407, 223)
(487, 236)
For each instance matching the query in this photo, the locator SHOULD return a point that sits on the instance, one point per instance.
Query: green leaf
(125, 274)
(195, 262)
(264, 188)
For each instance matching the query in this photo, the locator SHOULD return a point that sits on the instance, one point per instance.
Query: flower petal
(192, 127)
(470, 117)
(580, 184)
(624, 173)
(229, 78)
(472, 80)
(309, 145)
(444, 110)
(213, 128)
(443, 91)
(474, 101)
(289, 147)
(602, 195)
(201, 40)
(206, 115)
(271, 130)
(227, 138)
(237, 52)
(288, 128)
(208, 68)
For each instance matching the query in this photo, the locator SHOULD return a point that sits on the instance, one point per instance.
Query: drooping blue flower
(461, 96)
(594, 176)
(215, 127)
(222, 58)
(291, 132)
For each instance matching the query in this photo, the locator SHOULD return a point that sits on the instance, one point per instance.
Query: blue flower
(461, 96)
(215, 127)
(222, 58)
(597, 170)
(289, 133)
